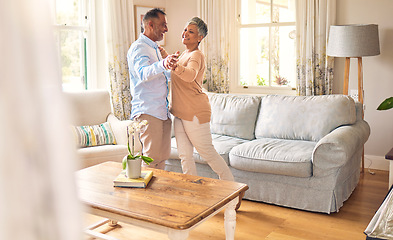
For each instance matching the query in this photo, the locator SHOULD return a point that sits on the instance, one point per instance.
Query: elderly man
(149, 75)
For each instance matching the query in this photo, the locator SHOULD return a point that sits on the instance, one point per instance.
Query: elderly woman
(191, 106)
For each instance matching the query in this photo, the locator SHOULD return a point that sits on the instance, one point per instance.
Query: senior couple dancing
(150, 68)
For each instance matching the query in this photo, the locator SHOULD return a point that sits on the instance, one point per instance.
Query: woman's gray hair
(201, 25)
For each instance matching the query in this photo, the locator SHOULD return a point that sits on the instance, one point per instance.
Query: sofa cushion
(274, 156)
(303, 117)
(96, 135)
(234, 115)
(222, 144)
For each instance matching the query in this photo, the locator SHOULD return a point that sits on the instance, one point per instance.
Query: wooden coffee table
(172, 203)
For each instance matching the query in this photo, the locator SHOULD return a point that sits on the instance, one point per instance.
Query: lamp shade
(353, 40)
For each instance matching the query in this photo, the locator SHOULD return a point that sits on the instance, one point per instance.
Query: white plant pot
(133, 169)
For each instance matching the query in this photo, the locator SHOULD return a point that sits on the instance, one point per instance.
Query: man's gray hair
(201, 25)
(153, 13)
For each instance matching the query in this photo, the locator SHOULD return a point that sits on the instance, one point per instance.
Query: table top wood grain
(173, 200)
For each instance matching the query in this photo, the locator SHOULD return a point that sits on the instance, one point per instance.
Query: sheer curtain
(119, 19)
(38, 197)
(216, 46)
(314, 68)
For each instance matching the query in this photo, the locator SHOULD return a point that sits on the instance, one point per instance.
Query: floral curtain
(314, 68)
(119, 19)
(38, 196)
(216, 46)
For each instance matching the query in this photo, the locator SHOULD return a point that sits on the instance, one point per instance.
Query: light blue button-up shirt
(149, 79)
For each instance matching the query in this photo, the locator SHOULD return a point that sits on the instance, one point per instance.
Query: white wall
(151, 3)
(178, 13)
(377, 71)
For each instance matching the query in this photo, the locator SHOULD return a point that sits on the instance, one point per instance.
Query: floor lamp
(353, 41)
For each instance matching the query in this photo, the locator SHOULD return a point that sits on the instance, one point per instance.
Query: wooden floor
(263, 221)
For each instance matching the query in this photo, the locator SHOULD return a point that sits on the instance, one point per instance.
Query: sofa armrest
(119, 128)
(338, 147)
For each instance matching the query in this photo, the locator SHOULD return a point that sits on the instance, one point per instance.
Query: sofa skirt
(325, 194)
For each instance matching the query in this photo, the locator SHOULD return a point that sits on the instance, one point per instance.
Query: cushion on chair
(119, 128)
(96, 135)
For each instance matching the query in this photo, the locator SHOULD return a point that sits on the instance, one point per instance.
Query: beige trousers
(190, 134)
(156, 140)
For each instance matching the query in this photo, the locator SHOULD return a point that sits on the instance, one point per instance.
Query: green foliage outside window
(261, 81)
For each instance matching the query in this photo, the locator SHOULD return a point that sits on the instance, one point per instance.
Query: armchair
(93, 107)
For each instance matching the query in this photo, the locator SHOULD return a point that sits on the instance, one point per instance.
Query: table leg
(112, 223)
(178, 234)
(89, 230)
(230, 219)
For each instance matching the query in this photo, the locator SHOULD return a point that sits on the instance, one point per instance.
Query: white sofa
(294, 151)
(93, 107)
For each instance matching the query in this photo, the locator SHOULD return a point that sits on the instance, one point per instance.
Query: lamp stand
(360, 87)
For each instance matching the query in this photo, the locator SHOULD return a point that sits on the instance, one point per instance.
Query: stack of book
(123, 181)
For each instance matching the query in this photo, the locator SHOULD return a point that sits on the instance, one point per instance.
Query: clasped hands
(170, 61)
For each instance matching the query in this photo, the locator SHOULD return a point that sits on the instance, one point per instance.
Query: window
(266, 45)
(72, 33)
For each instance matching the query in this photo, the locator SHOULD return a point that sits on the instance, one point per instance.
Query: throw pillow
(96, 135)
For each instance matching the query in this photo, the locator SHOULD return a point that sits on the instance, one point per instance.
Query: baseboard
(376, 162)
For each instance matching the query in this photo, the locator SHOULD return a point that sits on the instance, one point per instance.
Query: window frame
(87, 28)
(235, 85)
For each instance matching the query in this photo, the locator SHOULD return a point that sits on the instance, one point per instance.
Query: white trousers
(190, 134)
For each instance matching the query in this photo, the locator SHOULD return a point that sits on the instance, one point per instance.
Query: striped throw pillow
(87, 136)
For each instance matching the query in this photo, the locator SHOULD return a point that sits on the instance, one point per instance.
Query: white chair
(93, 107)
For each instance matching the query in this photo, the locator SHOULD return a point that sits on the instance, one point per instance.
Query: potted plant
(386, 104)
(132, 162)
